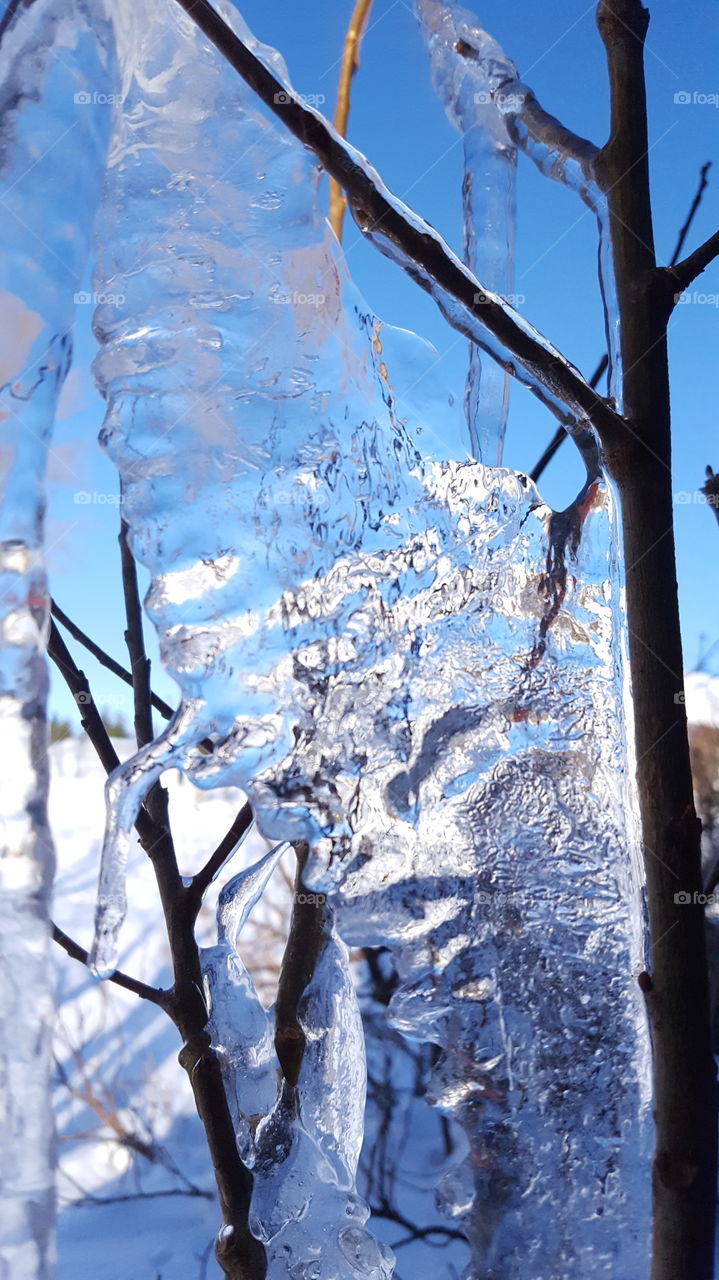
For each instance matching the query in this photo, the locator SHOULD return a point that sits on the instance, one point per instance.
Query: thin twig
(240, 1255)
(194, 1192)
(350, 63)
(92, 723)
(103, 658)
(154, 994)
(679, 277)
(560, 434)
(135, 640)
(202, 881)
(699, 194)
(308, 926)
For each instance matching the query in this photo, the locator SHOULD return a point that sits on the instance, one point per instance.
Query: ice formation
(496, 112)
(467, 86)
(302, 1141)
(41, 259)
(406, 660)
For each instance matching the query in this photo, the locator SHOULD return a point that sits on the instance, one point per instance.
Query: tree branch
(154, 994)
(350, 63)
(135, 640)
(560, 434)
(308, 925)
(202, 881)
(685, 229)
(684, 1183)
(405, 238)
(103, 658)
(240, 1255)
(678, 278)
(710, 489)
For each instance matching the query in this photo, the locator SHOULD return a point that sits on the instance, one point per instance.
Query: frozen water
(466, 87)
(486, 100)
(41, 259)
(405, 659)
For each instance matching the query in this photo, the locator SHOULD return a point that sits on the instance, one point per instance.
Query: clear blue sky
(400, 126)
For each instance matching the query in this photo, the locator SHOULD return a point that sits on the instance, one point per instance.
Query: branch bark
(678, 278)
(308, 926)
(684, 1183)
(240, 1255)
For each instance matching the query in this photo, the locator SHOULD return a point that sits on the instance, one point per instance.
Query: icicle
(488, 191)
(241, 1030)
(304, 1204)
(478, 82)
(41, 263)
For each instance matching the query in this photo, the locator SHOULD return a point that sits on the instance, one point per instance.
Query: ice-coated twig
(417, 247)
(125, 791)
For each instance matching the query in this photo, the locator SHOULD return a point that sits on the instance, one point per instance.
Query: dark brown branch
(684, 1182)
(135, 640)
(678, 278)
(422, 253)
(103, 658)
(240, 1256)
(202, 881)
(308, 929)
(154, 994)
(79, 686)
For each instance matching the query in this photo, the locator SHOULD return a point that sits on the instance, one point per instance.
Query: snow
(701, 693)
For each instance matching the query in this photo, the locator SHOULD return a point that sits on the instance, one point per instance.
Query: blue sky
(398, 123)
